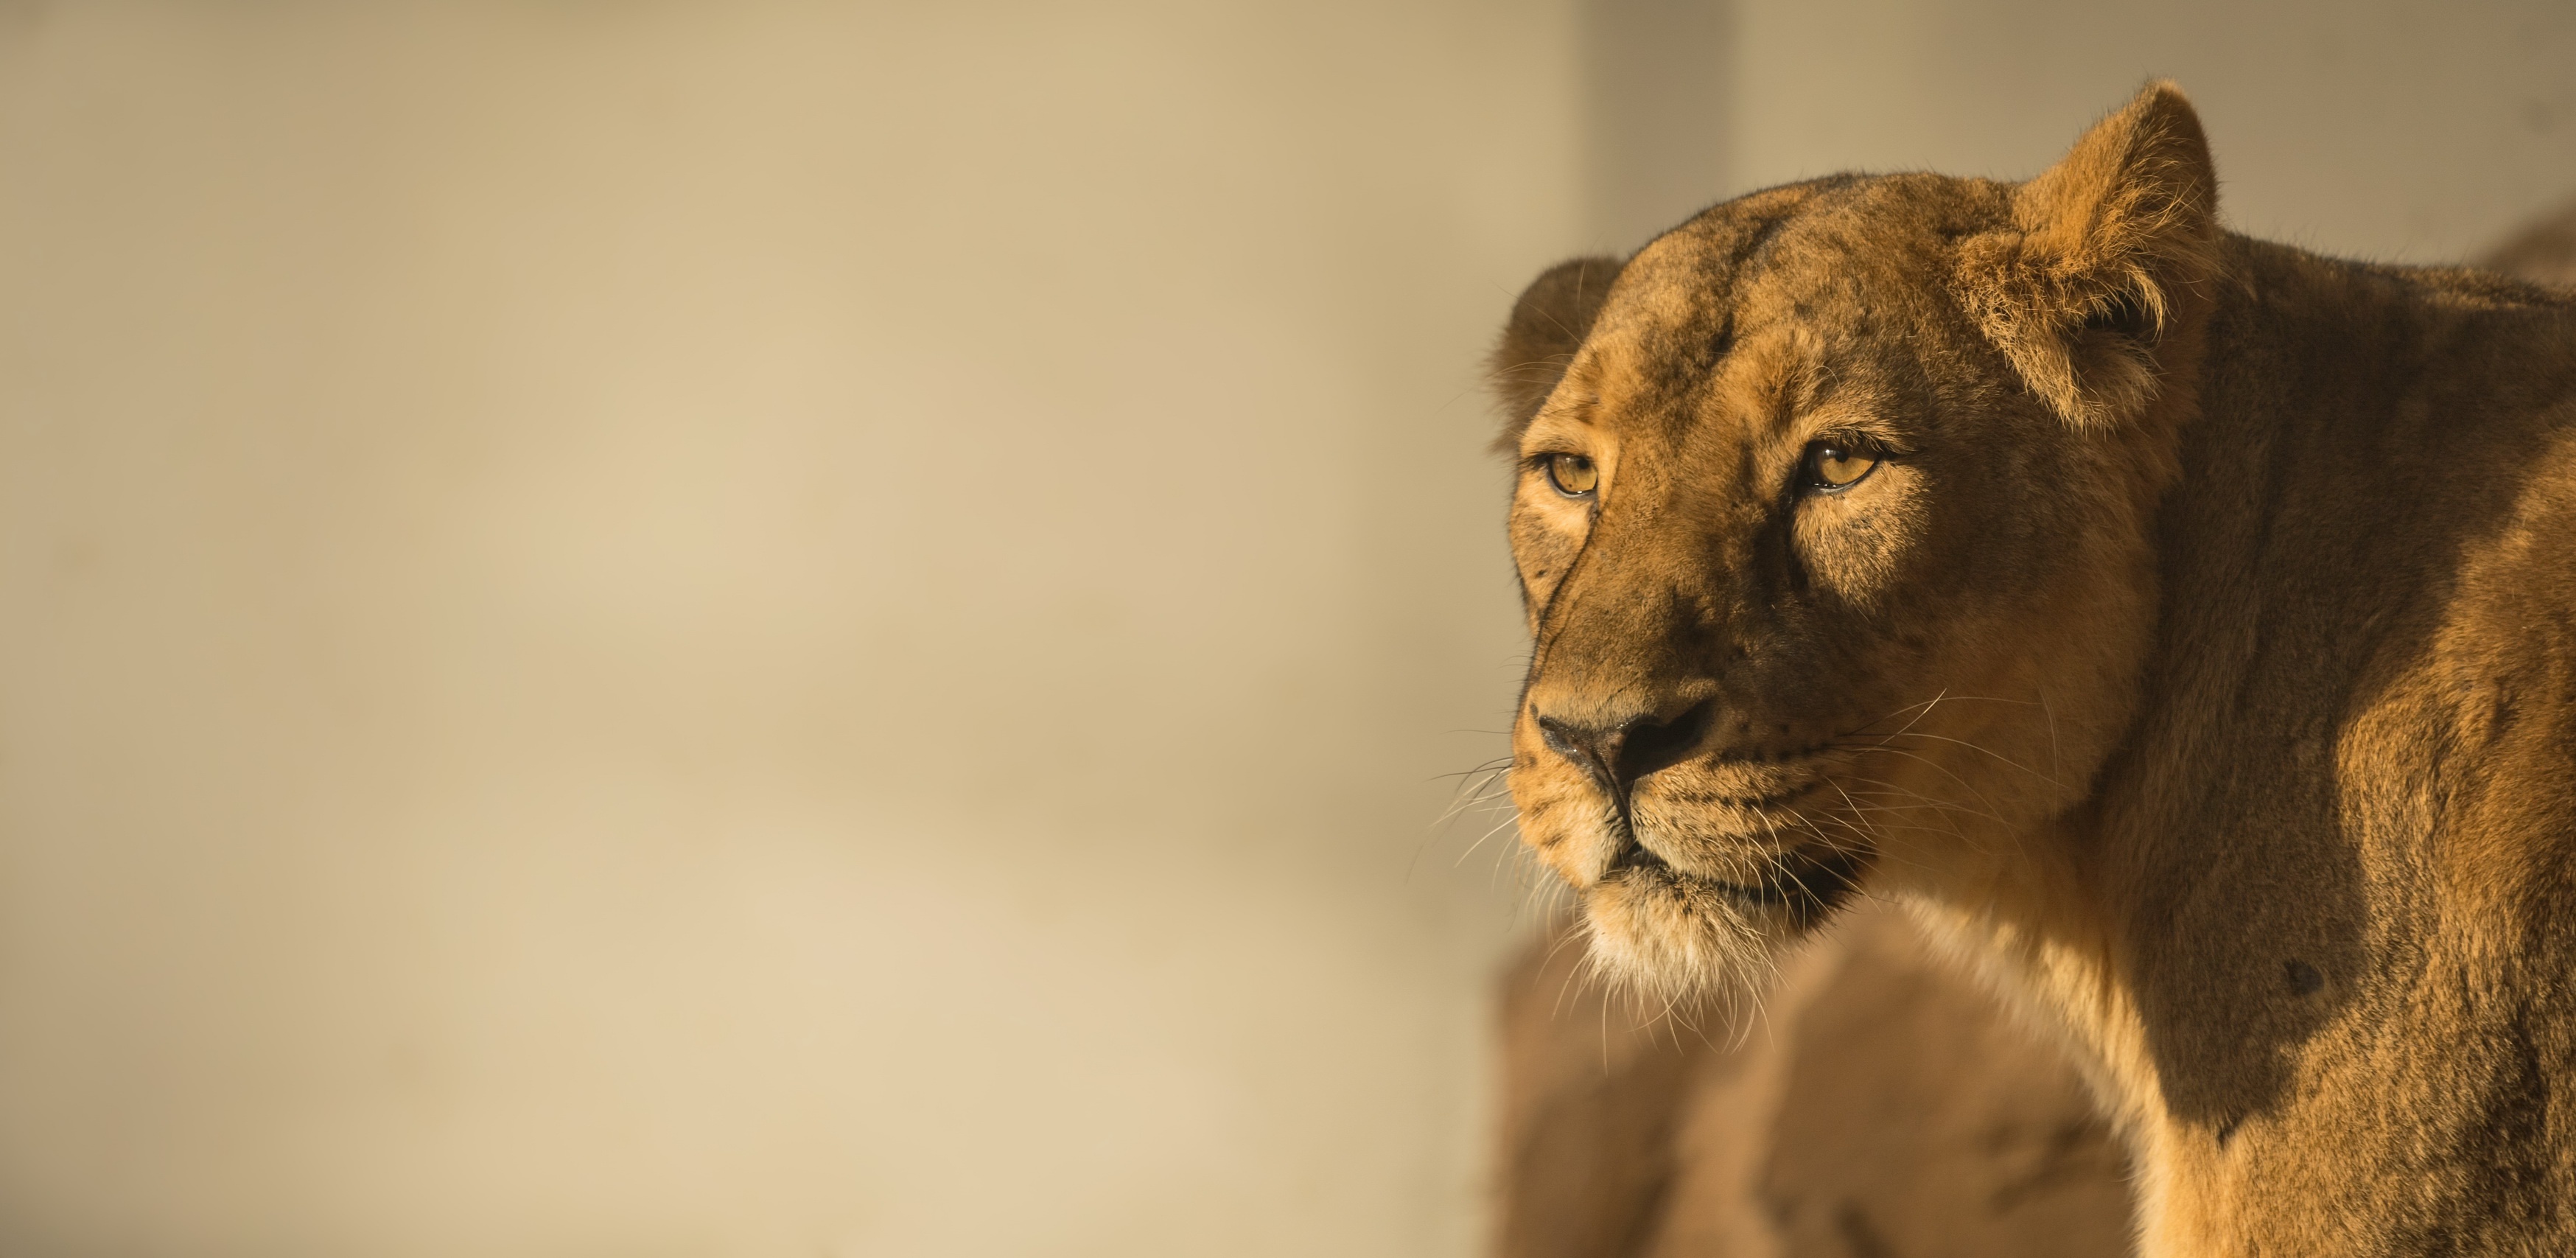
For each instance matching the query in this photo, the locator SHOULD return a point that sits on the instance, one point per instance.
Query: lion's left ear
(1548, 324)
(2105, 268)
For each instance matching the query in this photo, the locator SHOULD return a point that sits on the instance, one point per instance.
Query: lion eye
(1832, 465)
(1572, 474)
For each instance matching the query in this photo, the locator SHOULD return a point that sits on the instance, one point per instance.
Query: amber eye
(1835, 465)
(1572, 474)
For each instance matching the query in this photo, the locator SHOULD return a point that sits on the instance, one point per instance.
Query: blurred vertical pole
(1658, 97)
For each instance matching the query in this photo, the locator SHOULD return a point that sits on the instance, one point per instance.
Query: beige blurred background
(694, 628)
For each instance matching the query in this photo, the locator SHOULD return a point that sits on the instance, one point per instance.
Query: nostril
(1651, 745)
(1578, 743)
(1593, 748)
(1620, 754)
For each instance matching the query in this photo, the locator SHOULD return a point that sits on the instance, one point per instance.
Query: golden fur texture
(2198, 656)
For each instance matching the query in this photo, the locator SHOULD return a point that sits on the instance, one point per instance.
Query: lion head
(1833, 522)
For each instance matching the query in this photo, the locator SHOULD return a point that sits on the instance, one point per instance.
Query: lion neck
(2292, 930)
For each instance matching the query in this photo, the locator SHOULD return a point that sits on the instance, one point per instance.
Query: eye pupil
(1572, 474)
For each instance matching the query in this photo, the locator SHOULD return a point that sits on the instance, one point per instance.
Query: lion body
(2199, 657)
(2332, 866)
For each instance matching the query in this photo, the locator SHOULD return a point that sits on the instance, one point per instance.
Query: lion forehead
(1768, 306)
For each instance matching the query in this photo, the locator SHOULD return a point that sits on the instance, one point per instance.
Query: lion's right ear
(2106, 261)
(1550, 320)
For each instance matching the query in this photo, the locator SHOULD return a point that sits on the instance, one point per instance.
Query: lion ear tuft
(2107, 258)
(1548, 324)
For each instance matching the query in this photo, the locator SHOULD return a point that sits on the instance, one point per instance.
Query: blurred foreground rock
(1880, 1106)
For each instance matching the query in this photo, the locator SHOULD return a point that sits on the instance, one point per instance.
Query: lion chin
(1682, 941)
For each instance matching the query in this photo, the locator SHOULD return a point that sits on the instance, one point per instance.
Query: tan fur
(2200, 660)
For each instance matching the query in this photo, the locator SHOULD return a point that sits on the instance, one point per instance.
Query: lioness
(2183, 625)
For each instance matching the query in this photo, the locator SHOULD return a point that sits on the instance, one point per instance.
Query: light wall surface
(748, 629)
(2396, 130)
(712, 629)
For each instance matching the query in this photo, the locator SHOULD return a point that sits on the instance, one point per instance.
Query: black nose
(1616, 755)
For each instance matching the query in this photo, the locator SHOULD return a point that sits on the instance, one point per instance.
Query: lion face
(1827, 592)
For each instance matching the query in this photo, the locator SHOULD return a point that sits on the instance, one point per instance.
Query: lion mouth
(1806, 883)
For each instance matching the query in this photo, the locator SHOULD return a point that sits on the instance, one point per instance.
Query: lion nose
(1617, 753)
